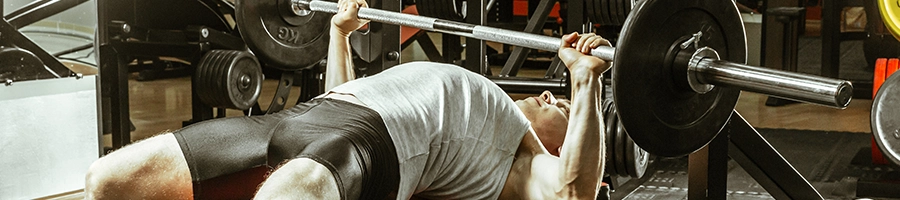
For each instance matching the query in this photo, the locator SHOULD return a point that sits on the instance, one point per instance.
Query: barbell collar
(801, 87)
(806, 88)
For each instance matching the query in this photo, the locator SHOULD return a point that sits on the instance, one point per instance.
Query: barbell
(673, 80)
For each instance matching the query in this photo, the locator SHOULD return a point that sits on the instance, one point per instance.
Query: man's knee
(101, 180)
(150, 167)
(300, 179)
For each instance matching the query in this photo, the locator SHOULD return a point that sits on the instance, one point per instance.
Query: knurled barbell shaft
(801, 87)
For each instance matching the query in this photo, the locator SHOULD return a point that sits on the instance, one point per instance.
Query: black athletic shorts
(349, 139)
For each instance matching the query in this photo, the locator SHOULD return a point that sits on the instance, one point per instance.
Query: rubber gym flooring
(824, 158)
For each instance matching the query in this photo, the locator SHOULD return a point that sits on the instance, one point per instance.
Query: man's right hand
(575, 50)
(346, 19)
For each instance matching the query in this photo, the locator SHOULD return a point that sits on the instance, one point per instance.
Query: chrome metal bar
(531, 85)
(801, 87)
(796, 86)
(516, 38)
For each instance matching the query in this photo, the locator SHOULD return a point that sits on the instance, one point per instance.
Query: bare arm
(576, 173)
(339, 69)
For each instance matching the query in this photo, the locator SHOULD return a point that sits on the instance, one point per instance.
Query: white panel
(48, 136)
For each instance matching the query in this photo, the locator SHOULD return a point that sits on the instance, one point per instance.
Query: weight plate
(630, 159)
(228, 79)
(885, 123)
(642, 158)
(638, 159)
(890, 14)
(203, 79)
(280, 38)
(662, 118)
(607, 16)
(209, 91)
(614, 12)
(620, 148)
(244, 81)
(610, 142)
(590, 11)
(217, 71)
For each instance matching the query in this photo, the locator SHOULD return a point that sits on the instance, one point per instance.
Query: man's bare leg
(300, 178)
(154, 168)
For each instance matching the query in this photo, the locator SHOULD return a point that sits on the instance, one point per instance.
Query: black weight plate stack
(280, 38)
(610, 133)
(620, 147)
(613, 11)
(604, 9)
(663, 118)
(442, 9)
(639, 159)
(592, 12)
(228, 79)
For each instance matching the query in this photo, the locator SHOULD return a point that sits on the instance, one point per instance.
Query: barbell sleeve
(795, 86)
(801, 87)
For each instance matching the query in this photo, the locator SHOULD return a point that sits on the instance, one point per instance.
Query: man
(424, 130)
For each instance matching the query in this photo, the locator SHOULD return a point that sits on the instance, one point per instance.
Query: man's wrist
(335, 31)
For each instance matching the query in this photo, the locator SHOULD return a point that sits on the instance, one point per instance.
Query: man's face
(549, 117)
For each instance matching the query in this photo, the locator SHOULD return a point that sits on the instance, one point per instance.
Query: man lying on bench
(419, 129)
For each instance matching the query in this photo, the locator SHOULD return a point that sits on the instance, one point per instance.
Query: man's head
(549, 117)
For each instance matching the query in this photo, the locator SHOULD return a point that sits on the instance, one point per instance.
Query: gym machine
(147, 30)
(676, 77)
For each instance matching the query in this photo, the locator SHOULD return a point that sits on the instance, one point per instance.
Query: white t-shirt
(455, 131)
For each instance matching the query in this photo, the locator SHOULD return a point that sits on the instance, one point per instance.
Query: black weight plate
(589, 11)
(637, 158)
(209, 91)
(199, 75)
(629, 5)
(641, 158)
(885, 120)
(620, 148)
(217, 74)
(629, 154)
(614, 11)
(244, 80)
(603, 8)
(664, 119)
(610, 135)
(597, 10)
(280, 38)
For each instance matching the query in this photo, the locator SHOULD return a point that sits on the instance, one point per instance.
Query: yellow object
(890, 14)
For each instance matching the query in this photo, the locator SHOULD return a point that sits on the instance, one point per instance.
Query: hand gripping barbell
(672, 55)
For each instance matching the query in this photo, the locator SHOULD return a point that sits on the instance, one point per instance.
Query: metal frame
(534, 25)
(381, 43)
(26, 15)
(122, 19)
(708, 167)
